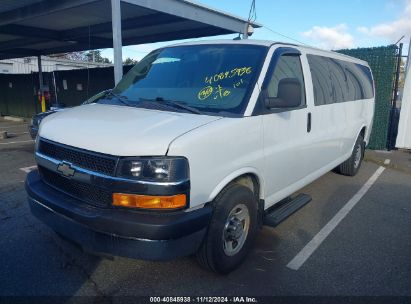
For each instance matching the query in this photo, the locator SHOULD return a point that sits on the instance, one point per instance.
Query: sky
(327, 24)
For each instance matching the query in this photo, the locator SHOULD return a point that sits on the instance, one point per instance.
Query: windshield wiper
(121, 98)
(175, 104)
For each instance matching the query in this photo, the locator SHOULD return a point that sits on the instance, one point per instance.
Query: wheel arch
(243, 177)
(362, 131)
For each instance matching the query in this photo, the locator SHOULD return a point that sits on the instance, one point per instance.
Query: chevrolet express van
(198, 146)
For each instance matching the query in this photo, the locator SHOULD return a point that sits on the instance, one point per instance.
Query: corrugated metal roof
(41, 27)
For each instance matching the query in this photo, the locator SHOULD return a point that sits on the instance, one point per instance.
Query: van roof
(269, 43)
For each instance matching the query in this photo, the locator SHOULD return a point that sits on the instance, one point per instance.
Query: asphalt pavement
(367, 254)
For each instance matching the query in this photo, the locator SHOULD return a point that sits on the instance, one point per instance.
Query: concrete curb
(12, 118)
(395, 163)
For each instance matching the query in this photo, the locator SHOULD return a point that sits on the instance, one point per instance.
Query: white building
(49, 64)
(404, 126)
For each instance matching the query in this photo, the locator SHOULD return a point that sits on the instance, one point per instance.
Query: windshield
(202, 79)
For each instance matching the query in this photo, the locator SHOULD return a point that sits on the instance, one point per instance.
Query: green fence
(17, 93)
(382, 61)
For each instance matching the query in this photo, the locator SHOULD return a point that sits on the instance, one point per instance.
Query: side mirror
(288, 95)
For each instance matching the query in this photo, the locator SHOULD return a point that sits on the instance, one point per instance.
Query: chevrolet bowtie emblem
(65, 169)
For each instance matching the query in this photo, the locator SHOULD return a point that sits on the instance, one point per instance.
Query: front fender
(232, 176)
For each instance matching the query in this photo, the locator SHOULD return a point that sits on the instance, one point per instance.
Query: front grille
(91, 194)
(89, 160)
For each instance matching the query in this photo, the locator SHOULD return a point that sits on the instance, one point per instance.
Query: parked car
(37, 118)
(198, 146)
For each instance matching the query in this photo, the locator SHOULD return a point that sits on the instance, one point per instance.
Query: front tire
(231, 231)
(351, 166)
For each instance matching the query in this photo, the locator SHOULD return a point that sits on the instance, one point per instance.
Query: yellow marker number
(205, 93)
(219, 92)
(236, 72)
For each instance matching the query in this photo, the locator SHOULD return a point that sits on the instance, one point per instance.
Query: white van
(198, 146)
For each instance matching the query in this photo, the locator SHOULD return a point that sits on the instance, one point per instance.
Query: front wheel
(231, 230)
(351, 166)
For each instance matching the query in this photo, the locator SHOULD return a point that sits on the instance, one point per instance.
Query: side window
(354, 84)
(339, 81)
(361, 76)
(322, 83)
(287, 73)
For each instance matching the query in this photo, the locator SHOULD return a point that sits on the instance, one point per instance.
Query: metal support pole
(394, 114)
(397, 77)
(408, 64)
(117, 40)
(42, 99)
(55, 89)
(245, 34)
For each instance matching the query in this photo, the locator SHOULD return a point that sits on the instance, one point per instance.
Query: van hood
(119, 130)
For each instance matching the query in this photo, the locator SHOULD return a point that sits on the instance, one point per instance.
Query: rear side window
(337, 80)
(361, 79)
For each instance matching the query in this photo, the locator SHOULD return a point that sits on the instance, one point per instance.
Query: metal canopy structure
(42, 27)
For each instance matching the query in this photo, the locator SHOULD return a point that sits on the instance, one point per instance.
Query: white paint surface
(119, 130)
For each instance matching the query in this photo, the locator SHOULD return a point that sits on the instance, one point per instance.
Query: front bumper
(119, 232)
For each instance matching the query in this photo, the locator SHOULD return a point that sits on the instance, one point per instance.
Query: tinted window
(339, 81)
(210, 78)
(360, 78)
(287, 68)
(321, 76)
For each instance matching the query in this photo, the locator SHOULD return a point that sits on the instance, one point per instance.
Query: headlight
(158, 169)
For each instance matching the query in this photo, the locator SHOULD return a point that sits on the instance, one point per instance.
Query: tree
(130, 61)
(95, 56)
(77, 56)
(91, 56)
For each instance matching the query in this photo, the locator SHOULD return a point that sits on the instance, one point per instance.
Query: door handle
(309, 122)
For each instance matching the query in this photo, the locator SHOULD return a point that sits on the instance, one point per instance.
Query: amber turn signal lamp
(149, 202)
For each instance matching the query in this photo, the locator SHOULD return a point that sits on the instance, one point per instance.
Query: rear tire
(231, 231)
(351, 166)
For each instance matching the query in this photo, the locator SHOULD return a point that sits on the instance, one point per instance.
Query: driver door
(286, 129)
